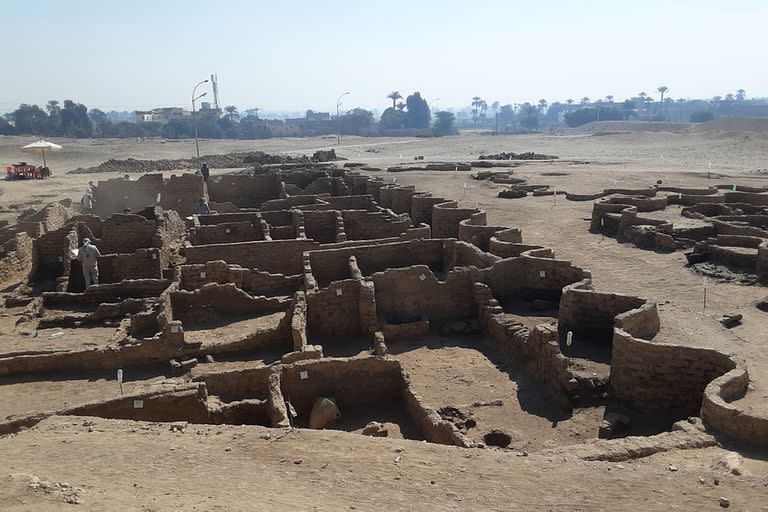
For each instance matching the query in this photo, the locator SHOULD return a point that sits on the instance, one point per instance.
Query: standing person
(87, 200)
(202, 207)
(89, 258)
(205, 171)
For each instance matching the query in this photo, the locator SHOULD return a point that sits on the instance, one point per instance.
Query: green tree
(75, 121)
(231, 113)
(662, 89)
(444, 124)
(417, 115)
(477, 102)
(394, 96)
(741, 94)
(357, 121)
(99, 119)
(392, 119)
(30, 119)
(529, 119)
(628, 106)
(251, 127)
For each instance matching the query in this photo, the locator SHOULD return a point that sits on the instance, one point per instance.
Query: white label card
(303, 375)
(542, 274)
(339, 291)
(138, 404)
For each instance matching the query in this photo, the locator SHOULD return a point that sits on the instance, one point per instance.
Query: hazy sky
(297, 54)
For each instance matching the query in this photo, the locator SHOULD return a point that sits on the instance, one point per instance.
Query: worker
(205, 171)
(202, 207)
(87, 200)
(89, 258)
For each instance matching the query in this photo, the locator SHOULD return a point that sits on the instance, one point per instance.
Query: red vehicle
(22, 171)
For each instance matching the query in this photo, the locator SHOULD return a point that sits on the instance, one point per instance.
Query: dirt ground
(127, 466)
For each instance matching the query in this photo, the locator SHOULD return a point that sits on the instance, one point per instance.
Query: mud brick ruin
(309, 281)
(727, 228)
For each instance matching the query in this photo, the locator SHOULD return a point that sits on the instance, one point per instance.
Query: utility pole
(194, 115)
(338, 119)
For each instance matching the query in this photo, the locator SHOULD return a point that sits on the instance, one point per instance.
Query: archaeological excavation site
(315, 296)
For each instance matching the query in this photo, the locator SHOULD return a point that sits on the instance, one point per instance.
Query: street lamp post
(338, 119)
(194, 115)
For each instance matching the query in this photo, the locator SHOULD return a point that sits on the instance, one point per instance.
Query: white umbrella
(41, 147)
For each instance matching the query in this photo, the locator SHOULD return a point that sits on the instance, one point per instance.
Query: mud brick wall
(274, 256)
(224, 218)
(50, 218)
(582, 308)
(364, 225)
(514, 277)
(51, 253)
(351, 381)
(465, 255)
(237, 384)
(16, 257)
(320, 226)
(112, 292)
(123, 233)
(373, 188)
(475, 231)
(182, 193)
(401, 199)
(334, 186)
(144, 263)
(663, 377)
(407, 294)
(446, 217)
(385, 195)
(117, 194)
(216, 300)
(290, 202)
(333, 264)
(227, 232)
(356, 202)
(334, 311)
(719, 413)
(421, 208)
(245, 191)
(251, 281)
(746, 197)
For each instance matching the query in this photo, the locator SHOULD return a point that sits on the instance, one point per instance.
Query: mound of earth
(230, 160)
(611, 127)
(735, 124)
(530, 155)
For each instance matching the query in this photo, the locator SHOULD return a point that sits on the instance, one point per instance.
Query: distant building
(161, 115)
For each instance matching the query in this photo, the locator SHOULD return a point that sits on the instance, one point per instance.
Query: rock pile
(230, 160)
(530, 155)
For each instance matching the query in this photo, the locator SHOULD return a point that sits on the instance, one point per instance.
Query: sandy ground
(121, 465)
(133, 467)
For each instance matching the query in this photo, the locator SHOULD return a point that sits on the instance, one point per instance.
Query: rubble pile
(530, 155)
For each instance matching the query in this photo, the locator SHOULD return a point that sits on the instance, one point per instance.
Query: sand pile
(604, 127)
(228, 161)
(735, 124)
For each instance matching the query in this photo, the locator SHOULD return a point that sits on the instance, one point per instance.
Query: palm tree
(495, 107)
(52, 106)
(394, 96)
(729, 97)
(741, 94)
(715, 101)
(232, 113)
(662, 89)
(585, 100)
(400, 105)
(477, 102)
(543, 104)
(609, 98)
(569, 101)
